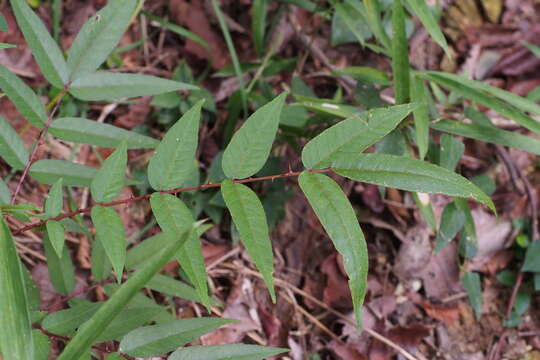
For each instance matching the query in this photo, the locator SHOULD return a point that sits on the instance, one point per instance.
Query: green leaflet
(16, 339)
(169, 286)
(126, 321)
(353, 135)
(84, 131)
(488, 134)
(258, 24)
(400, 51)
(42, 345)
(23, 97)
(109, 179)
(5, 194)
(450, 152)
(12, 149)
(94, 327)
(110, 231)
(49, 171)
(55, 201)
(99, 36)
(107, 86)
(408, 174)
(101, 265)
(373, 16)
(174, 217)
(421, 9)
(226, 352)
(452, 221)
(365, 73)
(471, 283)
(159, 339)
(55, 231)
(421, 116)
(65, 322)
(532, 263)
(490, 97)
(339, 220)
(172, 162)
(248, 215)
(61, 269)
(45, 50)
(250, 146)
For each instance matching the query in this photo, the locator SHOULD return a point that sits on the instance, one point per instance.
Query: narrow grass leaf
(55, 200)
(452, 221)
(226, 352)
(373, 16)
(421, 9)
(471, 283)
(65, 322)
(109, 179)
(400, 58)
(55, 231)
(258, 24)
(169, 286)
(421, 116)
(468, 242)
(490, 97)
(172, 162)
(94, 327)
(325, 107)
(12, 148)
(84, 131)
(450, 152)
(61, 270)
(409, 174)
(22, 96)
(48, 55)
(159, 339)
(488, 134)
(353, 135)
(99, 36)
(366, 74)
(248, 215)
(110, 230)
(16, 339)
(338, 218)
(250, 146)
(126, 321)
(107, 86)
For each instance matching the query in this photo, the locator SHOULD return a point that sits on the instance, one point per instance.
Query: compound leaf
(248, 215)
(339, 220)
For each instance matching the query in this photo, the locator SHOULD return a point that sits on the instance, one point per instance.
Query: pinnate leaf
(84, 131)
(226, 352)
(251, 144)
(339, 220)
(159, 339)
(16, 341)
(409, 174)
(99, 36)
(109, 179)
(110, 230)
(107, 86)
(172, 162)
(25, 100)
(248, 215)
(12, 148)
(45, 50)
(353, 135)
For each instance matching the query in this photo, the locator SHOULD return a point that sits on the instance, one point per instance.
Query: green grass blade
(258, 24)
(400, 55)
(421, 9)
(178, 30)
(226, 352)
(421, 116)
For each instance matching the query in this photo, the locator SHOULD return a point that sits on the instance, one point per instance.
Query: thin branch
(130, 200)
(38, 143)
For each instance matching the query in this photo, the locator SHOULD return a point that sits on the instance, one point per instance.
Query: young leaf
(452, 221)
(12, 148)
(25, 100)
(109, 180)
(45, 50)
(400, 51)
(250, 146)
(60, 269)
(258, 24)
(155, 340)
(5, 194)
(172, 162)
(353, 135)
(99, 36)
(94, 327)
(16, 341)
(489, 96)
(107, 86)
(338, 218)
(421, 9)
(110, 230)
(532, 263)
(55, 231)
(226, 352)
(84, 131)
(49, 171)
(471, 283)
(408, 174)
(421, 116)
(55, 201)
(488, 134)
(65, 322)
(248, 215)
(450, 152)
